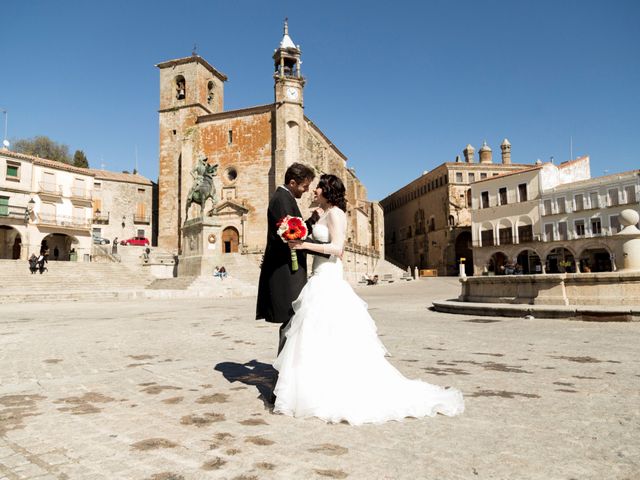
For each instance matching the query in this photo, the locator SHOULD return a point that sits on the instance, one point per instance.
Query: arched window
(210, 88)
(181, 88)
(432, 224)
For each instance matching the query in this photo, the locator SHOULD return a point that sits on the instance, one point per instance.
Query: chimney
(468, 153)
(485, 153)
(506, 152)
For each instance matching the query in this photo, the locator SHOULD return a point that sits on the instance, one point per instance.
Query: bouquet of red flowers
(292, 228)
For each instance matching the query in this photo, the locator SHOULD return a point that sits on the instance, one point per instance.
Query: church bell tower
(288, 89)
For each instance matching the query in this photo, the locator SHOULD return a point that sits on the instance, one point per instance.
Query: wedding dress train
(333, 364)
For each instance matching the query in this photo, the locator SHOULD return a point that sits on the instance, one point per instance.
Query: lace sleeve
(337, 225)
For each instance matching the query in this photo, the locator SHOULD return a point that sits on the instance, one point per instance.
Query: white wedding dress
(333, 364)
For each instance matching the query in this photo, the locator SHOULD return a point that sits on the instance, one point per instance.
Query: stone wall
(128, 207)
(613, 289)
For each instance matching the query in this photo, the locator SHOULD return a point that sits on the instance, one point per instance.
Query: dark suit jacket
(279, 286)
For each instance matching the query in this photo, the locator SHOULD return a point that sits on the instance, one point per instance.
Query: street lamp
(5, 142)
(30, 204)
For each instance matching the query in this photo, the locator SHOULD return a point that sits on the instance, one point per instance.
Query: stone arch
(595, 257)
(181, 87)
(61, 243)
(560, 260)
(487, 234)
(528, 262)
(497, 262)
(505, 231)
(524, 229)
(230, 240)
(210, 91)
(10, 243)
(463, 246)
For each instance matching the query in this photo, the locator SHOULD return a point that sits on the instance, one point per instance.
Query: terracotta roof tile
(120, 177)
(47, 163)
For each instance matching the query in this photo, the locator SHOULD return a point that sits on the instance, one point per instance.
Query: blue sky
(399, 87)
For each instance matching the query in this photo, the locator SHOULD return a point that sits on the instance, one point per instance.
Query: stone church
(252, 147)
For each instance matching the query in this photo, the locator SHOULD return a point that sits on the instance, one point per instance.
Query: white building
(44, 203)
(549, 219)
(576, 218)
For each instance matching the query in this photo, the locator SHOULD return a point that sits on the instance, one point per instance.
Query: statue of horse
(203, 188)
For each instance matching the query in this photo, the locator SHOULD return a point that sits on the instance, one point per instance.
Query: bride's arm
(337, 225)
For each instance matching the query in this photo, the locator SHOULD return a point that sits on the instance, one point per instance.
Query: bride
(333, 365)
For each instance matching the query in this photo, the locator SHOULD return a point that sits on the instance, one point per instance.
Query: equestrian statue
(202, 188)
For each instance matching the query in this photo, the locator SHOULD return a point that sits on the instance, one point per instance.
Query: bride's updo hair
(333, 190)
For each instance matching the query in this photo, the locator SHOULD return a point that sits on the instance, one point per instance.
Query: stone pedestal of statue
(201, 247)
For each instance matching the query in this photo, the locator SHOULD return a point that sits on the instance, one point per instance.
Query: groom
(279, 286)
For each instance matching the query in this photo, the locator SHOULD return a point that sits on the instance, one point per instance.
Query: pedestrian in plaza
(33, 263)
(42, 260)
(56, 253)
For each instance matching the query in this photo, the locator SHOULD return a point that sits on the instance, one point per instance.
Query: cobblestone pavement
(170, 390)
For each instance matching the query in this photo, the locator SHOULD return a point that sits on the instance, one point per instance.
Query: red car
(141, 241)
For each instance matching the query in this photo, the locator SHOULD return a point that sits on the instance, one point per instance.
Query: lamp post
(5, 142)
(27, 213)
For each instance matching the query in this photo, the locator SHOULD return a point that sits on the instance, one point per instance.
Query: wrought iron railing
(99, 217)
(49, 188)
(13, 211)
(81, 193)
(142, 219)
(64, 221)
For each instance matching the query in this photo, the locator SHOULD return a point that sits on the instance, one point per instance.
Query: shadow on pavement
(254, 373)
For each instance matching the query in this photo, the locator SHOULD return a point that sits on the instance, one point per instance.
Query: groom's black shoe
(272, 398)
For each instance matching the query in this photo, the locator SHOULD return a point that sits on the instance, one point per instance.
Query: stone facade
(122, 205)
(252, 148)
(428, 221)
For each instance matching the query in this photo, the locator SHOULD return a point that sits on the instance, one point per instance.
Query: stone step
(69, 296)
(175, 283)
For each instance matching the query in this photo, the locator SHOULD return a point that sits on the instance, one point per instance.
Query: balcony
(13, 212)
(49, 190)
(81, 195)
(363, 250)
(142, 219)
(71, 223)
(101, 218)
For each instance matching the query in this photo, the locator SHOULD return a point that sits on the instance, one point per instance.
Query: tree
(80, 159)
(43, 147)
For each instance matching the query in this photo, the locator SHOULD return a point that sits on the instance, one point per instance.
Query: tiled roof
(571, 162)
(193, 58)
(120, 177)
(44, 162)
(502, 175)
(593, 181)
